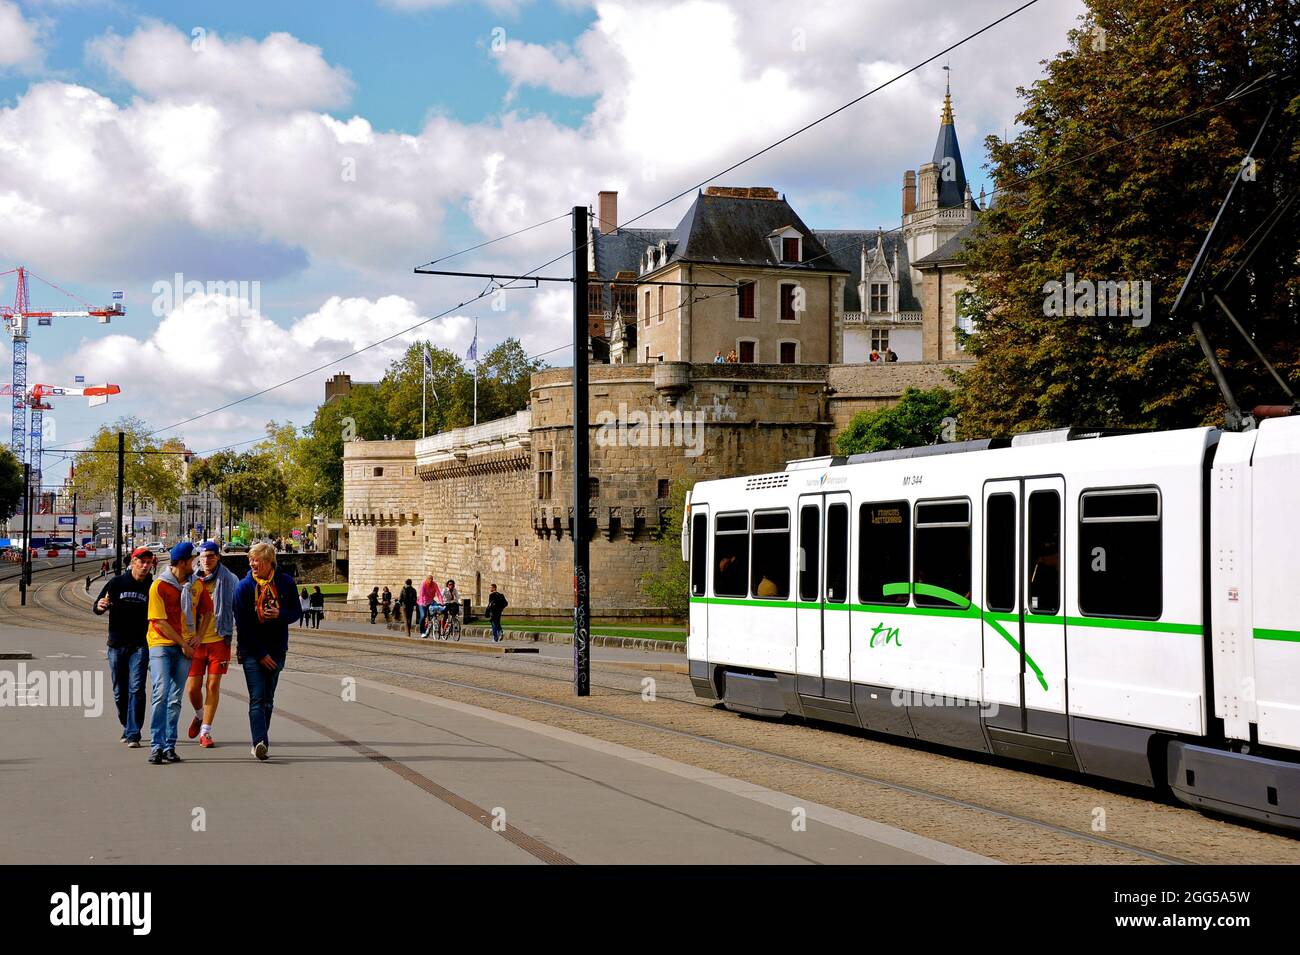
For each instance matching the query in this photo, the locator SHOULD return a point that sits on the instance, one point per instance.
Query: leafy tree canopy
(918, 419)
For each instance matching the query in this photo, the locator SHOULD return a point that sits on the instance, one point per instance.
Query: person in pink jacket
(429, 594)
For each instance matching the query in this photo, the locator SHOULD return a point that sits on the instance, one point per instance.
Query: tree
(1072, 203)
(153, 476)
(669, 586)
(11, 484)
(919, 418)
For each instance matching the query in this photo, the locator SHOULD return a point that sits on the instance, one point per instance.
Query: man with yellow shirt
(208, 600)
(170, 648)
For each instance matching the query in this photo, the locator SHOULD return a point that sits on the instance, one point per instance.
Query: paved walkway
(391, 776)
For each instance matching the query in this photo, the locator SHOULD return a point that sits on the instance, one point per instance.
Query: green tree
(11, 484)
(1138, 211)
(918, 419)
(153, 476)
(669, 586)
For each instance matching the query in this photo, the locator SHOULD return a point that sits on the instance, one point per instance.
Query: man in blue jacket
(266, 603)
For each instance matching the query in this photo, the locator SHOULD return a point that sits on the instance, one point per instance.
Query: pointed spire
(946, 119)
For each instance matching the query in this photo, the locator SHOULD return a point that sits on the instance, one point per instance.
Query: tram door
(1003, 632)
(821, 617)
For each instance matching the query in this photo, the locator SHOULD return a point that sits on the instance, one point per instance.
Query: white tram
(1124, 605)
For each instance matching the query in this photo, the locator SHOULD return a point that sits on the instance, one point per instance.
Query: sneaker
(260, 751)
(156, 758)
(123, 739)
(206, 741)
(171, 756)
(133, 744)
(195, 725)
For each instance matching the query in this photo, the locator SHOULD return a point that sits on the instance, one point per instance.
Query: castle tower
(941, 205)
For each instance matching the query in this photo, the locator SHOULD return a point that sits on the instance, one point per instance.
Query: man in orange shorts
(208, 602)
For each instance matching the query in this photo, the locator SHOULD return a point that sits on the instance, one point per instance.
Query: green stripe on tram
(1288, 636)
(964, 607)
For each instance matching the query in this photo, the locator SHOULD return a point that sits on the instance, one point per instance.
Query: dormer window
(879, 297)
(790, 249)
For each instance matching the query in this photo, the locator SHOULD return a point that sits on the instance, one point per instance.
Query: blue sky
(129, 154)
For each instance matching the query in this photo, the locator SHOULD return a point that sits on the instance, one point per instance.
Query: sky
(260, 180)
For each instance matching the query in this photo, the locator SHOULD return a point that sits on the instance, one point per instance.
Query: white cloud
(279, 72)
(20, 39)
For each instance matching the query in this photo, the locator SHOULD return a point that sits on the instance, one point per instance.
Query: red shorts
(211, 658)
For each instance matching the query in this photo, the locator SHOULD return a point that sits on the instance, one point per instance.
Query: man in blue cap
(170, 649)
(208, 602)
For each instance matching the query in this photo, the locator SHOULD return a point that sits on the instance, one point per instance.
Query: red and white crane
(16, 318)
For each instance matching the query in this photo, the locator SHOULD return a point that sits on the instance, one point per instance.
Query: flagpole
(424, 388)
(476, 370)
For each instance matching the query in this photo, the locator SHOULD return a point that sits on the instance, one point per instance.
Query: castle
(803, 310)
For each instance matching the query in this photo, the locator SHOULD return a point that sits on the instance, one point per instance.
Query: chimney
(607, 215)
(909, 192)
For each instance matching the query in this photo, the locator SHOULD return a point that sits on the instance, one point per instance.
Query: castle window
(386, 542)
(595, 292)
(544, 473)
(379, 472)
(879, 297)
(747, 350)
(880, 340)
(788, 311)
(790, 250)
(789, 353)
(625, 299)
(647, 309)
(663, 489)
(593, 485)
(660, 318)
(745, 300)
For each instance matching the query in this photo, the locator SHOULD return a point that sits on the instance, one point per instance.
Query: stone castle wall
(475, 504)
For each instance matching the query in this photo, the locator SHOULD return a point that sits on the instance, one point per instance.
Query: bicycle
(449, 627)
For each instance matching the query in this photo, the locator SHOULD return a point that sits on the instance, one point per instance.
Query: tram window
(809, 528)
(884, 551)
(1120, 554)
(699, 551)
(731, 555)
(1044, 552)
(1000, 553)
(837, 553)
(770, 574)
(943, 555)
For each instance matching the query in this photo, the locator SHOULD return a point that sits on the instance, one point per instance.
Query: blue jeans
(129, 668)
(168, 668)
(421, 611)
(496, 627)
(261, 696)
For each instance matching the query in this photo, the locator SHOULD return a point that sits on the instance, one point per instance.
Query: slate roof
(845, 248)
(728, 230)
(621, 252)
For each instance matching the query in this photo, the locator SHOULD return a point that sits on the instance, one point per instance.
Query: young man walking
(496, 604)
(409, 597)
(170, 649)
(125, 598)
(374, 604)
(266, 603)
(208, 602)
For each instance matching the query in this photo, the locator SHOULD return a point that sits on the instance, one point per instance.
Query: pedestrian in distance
(387, 603)
(265, 605)
(170, 650)
(409, 597)
(305, 600)
(125, 598)
(317, 608)
(496, 604)
(374, 605)
(208, 601)
(423, 602)
(718, 359)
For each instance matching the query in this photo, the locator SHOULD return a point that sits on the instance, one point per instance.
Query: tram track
(613, 712)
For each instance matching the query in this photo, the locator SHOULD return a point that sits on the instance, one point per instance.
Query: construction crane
(35, 399)
(16, 318)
